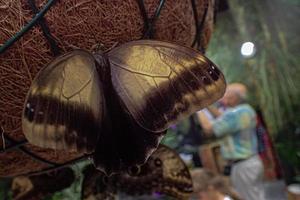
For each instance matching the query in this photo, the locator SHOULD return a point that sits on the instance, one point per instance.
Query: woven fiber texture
(84, 24)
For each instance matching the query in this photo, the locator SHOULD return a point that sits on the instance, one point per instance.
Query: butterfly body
(118, 105)
(123, 143)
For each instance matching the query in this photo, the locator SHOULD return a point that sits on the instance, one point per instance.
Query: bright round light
(248, 49)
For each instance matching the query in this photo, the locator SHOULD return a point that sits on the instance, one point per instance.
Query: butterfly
(117, 105)
(163, 173)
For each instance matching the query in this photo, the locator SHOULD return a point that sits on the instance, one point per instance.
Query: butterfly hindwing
(163, 173)
(161, 83)
(65, 104)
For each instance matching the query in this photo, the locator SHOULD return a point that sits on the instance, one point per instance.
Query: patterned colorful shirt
(237, 127)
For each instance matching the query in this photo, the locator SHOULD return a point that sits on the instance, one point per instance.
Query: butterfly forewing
(64, 106)
(161, 83)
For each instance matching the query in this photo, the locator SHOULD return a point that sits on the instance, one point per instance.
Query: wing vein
(188, 69)
(187, 54)
(183, 80)
(80, 89)
(160, 94)
(154, 108)
(129, 99)
(131, 71)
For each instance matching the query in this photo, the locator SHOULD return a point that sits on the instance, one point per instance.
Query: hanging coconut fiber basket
(34, 32)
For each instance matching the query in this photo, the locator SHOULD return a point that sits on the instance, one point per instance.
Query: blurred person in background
(236, 127)
(208, 186)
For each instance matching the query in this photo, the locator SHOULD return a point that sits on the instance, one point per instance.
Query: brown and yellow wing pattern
(64, 106)
(144, 86)
(161, 83)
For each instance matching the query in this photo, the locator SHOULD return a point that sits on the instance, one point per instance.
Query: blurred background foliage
(272, 74)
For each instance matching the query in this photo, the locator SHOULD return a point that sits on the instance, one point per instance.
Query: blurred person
(236, 126)
(208, 186)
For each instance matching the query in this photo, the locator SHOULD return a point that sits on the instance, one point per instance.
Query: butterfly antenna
(112, 47)
(98, 46)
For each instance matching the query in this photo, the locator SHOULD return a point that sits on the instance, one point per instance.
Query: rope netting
(38, 20)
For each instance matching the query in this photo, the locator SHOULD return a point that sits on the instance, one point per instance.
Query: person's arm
(205, 122)
(214, 111)
(227, 123)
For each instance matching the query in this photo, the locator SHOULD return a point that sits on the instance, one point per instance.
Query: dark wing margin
(64, 106)
(161, 83)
